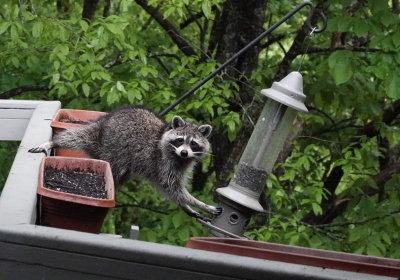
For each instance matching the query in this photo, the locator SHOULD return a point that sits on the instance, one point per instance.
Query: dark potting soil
(73, 121)
(75, 181)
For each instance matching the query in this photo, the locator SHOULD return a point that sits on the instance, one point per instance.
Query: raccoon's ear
(205, 129)
(177, 122)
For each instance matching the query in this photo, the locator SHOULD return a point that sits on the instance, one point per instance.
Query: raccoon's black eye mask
(177, 142)
(195, 146)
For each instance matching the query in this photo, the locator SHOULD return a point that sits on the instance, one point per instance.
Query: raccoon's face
(186, 140)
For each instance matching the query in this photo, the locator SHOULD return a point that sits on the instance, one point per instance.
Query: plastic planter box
(71, 211)
(298, 255)
(68, 118)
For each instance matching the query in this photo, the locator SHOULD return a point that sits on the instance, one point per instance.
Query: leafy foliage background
(335, 185)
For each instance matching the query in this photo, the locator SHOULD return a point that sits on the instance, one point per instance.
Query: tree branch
(339, 48)
(158, 59)
(16, 91)
(142, 207)
(352, 223)
(107, 7)
(168, 27)
(271, 41)
(195, 17)
(395, 7)
(382, 177)
(137, 204)
(118, 60)
(389, 115)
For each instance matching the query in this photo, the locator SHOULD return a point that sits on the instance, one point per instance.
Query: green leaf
(144, 84)
(14, 33)
(381, 70)
(388, 19)
(15, 61)
(393, 86)
(206, 8)
(37, 29)
(86, 89)
(121, 87)
(340, 63)
(377, 5)
(113, 97)
(395, 39)
(56, 78)
(361, 28)
(184, 233)
(56, 64)
(178, 219)
(133, 95)
(373, 250)
(148, 235)
(28, 16)
(316, 209)
(104, 76)
(15, 12)
(386, 238)
(115, 29)
(344, 24)
(123, 7)
(4, 26)
(84, 25)
(294, 239)
(169, 11)
(355, 234)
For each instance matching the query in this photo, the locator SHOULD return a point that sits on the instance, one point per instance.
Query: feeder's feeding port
(240, 199)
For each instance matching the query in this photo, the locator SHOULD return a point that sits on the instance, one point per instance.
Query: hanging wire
(310, 37)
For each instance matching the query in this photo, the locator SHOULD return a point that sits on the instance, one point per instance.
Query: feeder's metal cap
(289, 91)
(242, 196)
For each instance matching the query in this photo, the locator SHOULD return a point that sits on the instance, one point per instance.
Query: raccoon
(136, 142)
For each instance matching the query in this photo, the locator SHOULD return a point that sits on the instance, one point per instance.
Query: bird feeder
(240, 199)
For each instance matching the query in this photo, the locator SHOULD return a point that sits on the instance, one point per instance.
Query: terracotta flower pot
(67, 118)
(73, 211)
(298, 255)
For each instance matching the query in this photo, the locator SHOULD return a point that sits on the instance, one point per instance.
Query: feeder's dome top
(241, 196)
(288, 91)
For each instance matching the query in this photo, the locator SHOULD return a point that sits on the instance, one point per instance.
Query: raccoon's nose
(184, 153)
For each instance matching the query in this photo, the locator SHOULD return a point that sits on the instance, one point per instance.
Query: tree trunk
(238, 24)
(89, 8)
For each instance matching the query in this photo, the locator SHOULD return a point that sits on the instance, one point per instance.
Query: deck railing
(29, 251)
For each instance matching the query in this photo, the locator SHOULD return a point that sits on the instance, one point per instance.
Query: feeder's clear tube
(269, 136)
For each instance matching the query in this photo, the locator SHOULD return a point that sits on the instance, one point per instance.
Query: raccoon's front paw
(38, 150)
(214, 210)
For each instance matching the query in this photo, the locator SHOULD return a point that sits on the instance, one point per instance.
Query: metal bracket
(220, 230)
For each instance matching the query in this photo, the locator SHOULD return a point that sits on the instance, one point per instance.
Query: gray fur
(137, 142)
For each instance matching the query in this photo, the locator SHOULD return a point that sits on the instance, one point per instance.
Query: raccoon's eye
(194, 145)
(177, 142)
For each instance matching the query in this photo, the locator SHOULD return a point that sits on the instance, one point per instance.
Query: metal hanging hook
(309, 17)
(251, 44)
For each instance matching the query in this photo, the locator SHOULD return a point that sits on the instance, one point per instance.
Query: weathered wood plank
(22, 104)
(16, 113)
(13, 129)
(18, 198)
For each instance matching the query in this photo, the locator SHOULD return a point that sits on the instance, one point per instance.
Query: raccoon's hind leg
(44, 148)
